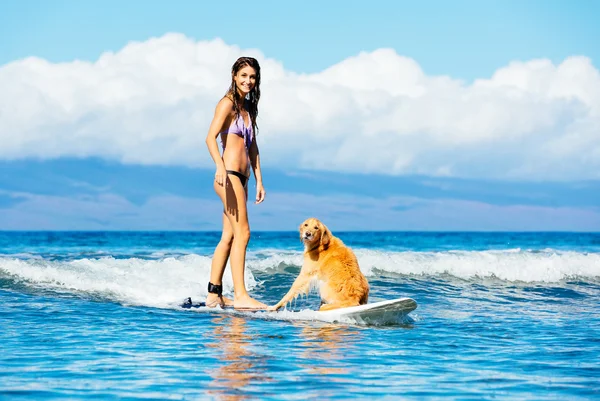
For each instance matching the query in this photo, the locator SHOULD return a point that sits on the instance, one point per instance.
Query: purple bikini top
(239, 128)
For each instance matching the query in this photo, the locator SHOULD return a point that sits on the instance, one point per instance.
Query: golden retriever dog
(330, 266)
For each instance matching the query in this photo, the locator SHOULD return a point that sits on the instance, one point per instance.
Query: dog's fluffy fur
(332, 266)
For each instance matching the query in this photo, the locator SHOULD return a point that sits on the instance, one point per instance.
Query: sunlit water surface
(500, 316)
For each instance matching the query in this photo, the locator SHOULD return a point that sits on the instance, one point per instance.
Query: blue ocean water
(95, 315)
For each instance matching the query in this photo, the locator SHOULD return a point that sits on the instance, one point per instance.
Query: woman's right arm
(222, 115)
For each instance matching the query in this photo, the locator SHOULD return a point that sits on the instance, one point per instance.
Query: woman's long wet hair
(254, 95)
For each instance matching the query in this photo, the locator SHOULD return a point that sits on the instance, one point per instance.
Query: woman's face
(245, 79)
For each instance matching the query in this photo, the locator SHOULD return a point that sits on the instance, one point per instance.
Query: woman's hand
(221, 175)
(260, 193)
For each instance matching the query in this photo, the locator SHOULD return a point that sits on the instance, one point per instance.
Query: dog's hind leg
(338, 305)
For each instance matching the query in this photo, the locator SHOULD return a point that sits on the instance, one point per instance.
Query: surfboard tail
(187, 304)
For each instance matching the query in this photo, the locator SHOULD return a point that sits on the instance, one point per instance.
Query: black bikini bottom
(239, 175)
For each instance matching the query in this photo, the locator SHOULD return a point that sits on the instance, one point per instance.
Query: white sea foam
(132, 281)
(511, 265)
(547, 265)
(165, 282)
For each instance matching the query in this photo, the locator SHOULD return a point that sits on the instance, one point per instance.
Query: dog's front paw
(273, 308)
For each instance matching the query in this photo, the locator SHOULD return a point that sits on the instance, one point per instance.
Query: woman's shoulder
(225, 101)
(225, 105)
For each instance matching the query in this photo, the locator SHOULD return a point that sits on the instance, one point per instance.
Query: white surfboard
(376, 312)
(383, 312)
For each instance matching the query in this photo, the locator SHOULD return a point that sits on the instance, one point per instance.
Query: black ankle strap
(215, 289)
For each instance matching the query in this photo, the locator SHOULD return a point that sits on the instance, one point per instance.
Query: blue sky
(464, 39)
(463, 115)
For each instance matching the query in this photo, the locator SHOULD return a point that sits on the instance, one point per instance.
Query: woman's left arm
(255, 162)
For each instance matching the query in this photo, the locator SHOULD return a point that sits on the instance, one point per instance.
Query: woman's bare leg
(233, 196)
(219, 262)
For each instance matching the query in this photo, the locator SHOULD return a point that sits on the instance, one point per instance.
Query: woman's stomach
(236, 158)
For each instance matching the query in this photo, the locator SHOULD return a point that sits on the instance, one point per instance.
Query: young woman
(235, 122)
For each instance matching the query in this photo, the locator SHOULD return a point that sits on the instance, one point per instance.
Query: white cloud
(152, 102)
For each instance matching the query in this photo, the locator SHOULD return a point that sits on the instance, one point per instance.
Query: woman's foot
(246, 302)
(213, 300)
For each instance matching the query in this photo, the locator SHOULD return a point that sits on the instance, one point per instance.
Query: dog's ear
(325, 235)
(300, 231)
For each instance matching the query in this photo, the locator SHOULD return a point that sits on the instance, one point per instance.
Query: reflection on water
(320, 351)
(240, 366)
(326, 348)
